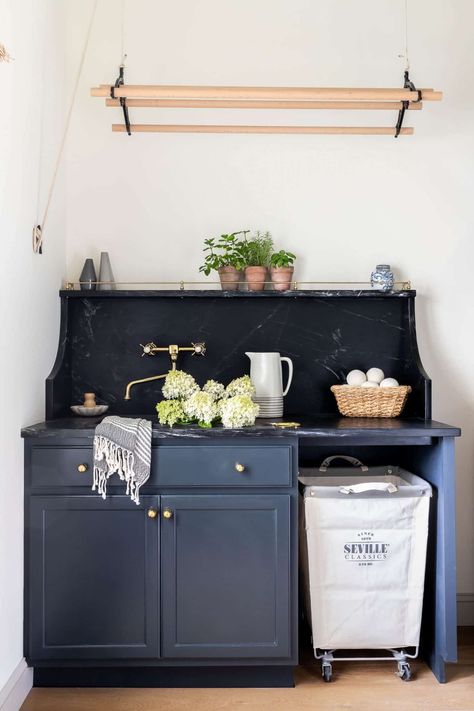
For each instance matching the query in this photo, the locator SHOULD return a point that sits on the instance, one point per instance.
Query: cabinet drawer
(205, 465)
(222, 465)
(61, 466)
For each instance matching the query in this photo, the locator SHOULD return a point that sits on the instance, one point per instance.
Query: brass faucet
(173, 350)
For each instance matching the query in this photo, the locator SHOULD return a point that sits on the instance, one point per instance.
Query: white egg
(389, 383)
(369, 384)
(375, 375)
(356, 377)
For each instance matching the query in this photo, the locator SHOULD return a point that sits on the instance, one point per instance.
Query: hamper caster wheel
(404, 671)
(326, 671)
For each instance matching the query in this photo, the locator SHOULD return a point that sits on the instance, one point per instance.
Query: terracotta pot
(256, 277)
(230, 278)
(281, 278)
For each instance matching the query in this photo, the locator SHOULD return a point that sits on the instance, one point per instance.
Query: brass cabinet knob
(82, 468)
(239, 467)
(167, 513)
(152, 513)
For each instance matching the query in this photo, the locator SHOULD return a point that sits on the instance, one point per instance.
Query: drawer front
(62, 466)
(222, 465)
(204, 465)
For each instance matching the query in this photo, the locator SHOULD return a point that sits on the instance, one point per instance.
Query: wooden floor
(356, 687)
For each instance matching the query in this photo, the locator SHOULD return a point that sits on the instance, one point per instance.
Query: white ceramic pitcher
(266, 375)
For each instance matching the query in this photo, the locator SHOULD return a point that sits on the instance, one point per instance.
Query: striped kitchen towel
(123, 445)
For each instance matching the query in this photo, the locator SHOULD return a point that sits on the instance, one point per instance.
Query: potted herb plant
(281, 269)
(225, 256)
(257, 253)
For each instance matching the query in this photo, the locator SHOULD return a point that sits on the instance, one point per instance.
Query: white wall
(29, 306)
(342, 203)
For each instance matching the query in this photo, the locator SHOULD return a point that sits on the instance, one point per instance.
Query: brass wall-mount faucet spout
(173, 350)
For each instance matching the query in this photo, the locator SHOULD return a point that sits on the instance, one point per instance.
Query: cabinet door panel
(93, 578)
(226, 576)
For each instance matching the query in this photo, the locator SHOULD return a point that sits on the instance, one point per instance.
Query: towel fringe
(118, 460)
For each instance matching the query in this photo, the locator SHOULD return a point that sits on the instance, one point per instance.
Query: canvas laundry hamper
(363, 539)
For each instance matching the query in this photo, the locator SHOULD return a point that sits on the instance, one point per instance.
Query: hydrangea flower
(214, 388)
(202, 407)
(238, 410)
(179, 385)
(170, 412)
(241, 386)
(186, 403)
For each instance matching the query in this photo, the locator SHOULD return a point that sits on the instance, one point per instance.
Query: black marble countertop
(317, 427)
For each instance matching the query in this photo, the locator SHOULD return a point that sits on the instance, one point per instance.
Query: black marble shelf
(319, 427)
(218, 293)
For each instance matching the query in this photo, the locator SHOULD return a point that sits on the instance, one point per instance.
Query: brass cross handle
(150, 348)
(198, 349)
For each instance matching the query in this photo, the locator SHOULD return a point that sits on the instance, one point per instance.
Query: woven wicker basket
(370, 402)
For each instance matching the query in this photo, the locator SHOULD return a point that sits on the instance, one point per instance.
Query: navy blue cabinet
(203, 569)
(225, 576)
(204, 592)
(93, 578)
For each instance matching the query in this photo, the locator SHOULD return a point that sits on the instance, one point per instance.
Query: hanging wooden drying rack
(252, 97)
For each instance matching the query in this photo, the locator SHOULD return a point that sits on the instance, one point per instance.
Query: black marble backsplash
(325, 333)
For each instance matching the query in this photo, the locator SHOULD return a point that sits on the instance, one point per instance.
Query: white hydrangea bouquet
(186, 403)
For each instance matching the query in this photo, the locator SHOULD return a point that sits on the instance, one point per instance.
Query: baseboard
(165, 677)
(17, 688)
(465, 609)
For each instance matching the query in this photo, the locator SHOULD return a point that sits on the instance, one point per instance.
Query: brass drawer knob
(152, 513)
(239, 467)
(81, 468)
(167, 513)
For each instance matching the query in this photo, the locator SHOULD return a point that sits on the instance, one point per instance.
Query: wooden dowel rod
(182, 128)
(431, 95)
(262, 93)
(107, 86)
(244, 104)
